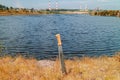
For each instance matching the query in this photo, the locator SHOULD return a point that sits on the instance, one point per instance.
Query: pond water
(82, 35)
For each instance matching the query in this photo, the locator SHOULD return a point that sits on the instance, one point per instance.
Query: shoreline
(8, 13)
(101, 68)
(74, 12)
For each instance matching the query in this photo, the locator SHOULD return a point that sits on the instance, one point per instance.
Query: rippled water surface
(81, 35)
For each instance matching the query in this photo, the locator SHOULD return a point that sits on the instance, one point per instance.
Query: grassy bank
(101, 68)
(22, 12)
(106, 13)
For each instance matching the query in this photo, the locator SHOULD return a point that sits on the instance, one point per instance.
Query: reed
(86, 68)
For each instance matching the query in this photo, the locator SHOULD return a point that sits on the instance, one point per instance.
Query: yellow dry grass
(101, 68)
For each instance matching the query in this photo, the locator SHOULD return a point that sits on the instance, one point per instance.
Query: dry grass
(102, 68)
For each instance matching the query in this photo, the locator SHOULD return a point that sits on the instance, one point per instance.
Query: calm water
(81, 35)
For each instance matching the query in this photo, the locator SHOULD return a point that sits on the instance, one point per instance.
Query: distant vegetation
(106, 13)
(17, 11)
(24, 11)
(19, 68)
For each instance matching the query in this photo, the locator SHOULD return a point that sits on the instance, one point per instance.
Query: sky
(63, 4)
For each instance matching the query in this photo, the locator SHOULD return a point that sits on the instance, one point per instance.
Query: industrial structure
(50, 6)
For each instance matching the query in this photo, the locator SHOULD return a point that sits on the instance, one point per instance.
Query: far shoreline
(9, 13)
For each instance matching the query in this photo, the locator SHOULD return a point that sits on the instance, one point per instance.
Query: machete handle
(58, 39)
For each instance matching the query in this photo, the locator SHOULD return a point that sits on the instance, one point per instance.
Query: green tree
(11, 8)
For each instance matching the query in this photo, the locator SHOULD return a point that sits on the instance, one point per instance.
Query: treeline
(19, 11)
(25, 11)
(2, 7)
(11, 10)
(106, 13)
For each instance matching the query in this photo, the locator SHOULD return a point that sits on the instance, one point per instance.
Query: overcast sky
(67, 4)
